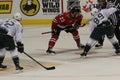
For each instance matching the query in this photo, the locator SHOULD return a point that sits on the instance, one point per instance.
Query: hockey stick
(46, 32)
(51, 31)
(66, 29)
(47, 68)
(63, 29)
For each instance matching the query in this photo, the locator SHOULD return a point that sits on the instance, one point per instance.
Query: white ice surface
(101, 65)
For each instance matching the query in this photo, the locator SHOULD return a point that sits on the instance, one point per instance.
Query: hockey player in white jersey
(1, 21)
(11, 33)
(102, 4)
(101, 25)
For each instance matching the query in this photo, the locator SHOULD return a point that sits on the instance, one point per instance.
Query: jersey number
(9, 23)
(99, 17)
(62, 19)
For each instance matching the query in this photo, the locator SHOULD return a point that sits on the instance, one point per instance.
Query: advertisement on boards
(5, 6)
(30, 7)
(50, 7)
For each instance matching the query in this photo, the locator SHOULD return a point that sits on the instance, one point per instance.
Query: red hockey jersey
(64, 20)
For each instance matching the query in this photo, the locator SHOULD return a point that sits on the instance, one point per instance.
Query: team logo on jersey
(30, 7)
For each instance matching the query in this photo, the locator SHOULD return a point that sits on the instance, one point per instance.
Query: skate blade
(18, 71)
(98, 47)
(49, 53)
(83, 57)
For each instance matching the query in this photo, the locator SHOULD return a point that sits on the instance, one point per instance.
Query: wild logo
(29, 7)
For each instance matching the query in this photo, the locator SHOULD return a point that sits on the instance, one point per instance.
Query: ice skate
(83, 55)
(50, 52)
(98, 45)
(19, 68)
(81, 46)
(117, 52)
(3, 66)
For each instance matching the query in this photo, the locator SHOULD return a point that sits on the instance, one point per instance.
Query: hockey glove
(54, 31)
(20, 47)
(69, 29)
(76, 26)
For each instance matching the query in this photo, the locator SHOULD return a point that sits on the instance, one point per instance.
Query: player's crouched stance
(101, 25)
(11, 29)
(69, 22)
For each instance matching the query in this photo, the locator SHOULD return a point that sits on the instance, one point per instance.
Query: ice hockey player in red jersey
(69, 22)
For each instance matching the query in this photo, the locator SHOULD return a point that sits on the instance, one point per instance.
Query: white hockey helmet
(17, 16)
(94, 11)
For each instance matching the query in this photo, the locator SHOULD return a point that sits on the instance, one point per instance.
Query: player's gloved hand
(69, 29)
(54, 31)
(76, 26)
(20, 47)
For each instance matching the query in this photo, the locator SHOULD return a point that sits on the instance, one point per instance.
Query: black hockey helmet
(101, 0)
(76, 9)
(102, 3)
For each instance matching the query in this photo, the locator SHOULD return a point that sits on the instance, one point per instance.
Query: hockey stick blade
(47, 68)
(50, 68)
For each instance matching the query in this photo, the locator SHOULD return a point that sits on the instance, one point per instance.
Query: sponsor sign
(5, 7)
(50, 7)
(30, 7)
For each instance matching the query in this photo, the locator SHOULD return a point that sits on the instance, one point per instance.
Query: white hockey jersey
(14, 28)
(1, 21)
(100, 17)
